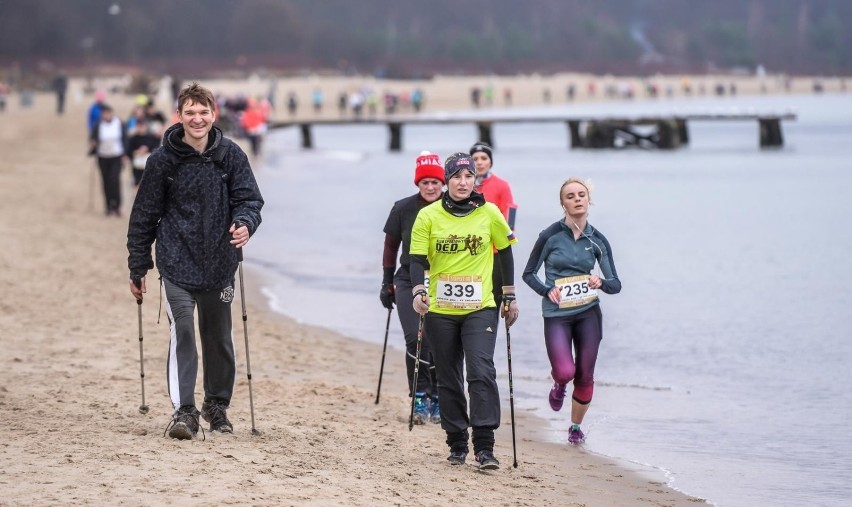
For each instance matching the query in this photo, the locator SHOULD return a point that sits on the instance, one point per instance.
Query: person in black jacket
(140, 145)
(429, 178)
(199, 200)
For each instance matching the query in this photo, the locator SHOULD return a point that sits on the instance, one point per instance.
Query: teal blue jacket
(563, 256)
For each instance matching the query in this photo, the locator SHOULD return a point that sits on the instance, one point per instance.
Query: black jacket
(187, 201)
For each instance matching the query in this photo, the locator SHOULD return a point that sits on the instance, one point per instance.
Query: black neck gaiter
(462, 208)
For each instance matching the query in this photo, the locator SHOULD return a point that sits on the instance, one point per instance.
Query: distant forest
(398, 38)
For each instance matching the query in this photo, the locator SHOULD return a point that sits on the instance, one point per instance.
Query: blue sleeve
(610, 284)
(534, 263)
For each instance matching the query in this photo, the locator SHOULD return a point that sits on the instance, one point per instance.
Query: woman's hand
(555, 295)
(595, 282)
(421, 300)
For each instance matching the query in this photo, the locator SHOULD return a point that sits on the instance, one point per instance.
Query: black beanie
(458, 162)
(483, 147)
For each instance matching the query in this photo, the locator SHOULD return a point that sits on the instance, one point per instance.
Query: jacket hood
(173, 141)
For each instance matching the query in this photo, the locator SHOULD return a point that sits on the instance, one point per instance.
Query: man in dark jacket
(200, 202)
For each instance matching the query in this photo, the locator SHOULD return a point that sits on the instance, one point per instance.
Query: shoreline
(70, 384)
(530, 428)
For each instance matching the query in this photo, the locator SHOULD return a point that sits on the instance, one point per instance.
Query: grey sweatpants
(217, 344)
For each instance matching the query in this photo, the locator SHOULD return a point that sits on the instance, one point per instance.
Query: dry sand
(70, 386)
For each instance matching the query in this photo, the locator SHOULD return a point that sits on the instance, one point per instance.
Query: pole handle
(237, 225)
(137, 281)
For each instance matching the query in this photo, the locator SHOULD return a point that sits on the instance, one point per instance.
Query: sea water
(725, 358)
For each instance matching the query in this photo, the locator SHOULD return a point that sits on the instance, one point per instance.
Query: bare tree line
(411, 39)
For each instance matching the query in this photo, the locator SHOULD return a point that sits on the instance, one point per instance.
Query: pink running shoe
(575, 435)
(557, 397)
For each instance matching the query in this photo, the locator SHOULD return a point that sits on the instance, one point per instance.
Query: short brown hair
(197, 94)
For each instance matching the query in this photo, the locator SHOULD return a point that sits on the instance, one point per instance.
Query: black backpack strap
(218, 159)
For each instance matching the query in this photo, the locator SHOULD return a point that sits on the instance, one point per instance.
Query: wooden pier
(660, 132)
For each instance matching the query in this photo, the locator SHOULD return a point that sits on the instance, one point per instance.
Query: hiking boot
(214, 413)
(421, 408)
(486, 460)
(457, 457)
(575, 435)
(557, 396)
(435, 411)
(184, 425)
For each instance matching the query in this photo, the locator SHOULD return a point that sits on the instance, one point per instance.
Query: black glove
(386, 295)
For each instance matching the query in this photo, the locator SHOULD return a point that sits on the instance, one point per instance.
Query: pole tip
(143, 409)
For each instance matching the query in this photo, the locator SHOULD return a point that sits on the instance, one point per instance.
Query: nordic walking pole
(416, 371)
(254, 430)
(384, 350)
(511, 394)
(143, 408)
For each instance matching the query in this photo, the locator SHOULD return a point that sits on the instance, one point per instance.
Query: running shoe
(184, 424)
(575, 435)
(486, 460)
(435, 411)
(214, 412)
(557, 396)
(421, 408)
(457, 457)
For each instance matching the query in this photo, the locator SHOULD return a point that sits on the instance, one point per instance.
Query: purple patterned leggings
(584, 332)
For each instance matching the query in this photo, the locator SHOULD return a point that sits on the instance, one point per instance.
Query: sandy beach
(70, 386)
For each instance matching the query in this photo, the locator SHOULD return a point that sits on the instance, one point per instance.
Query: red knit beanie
(428, 166)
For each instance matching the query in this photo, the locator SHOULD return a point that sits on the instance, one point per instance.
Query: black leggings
(410, 322)
(111, 175)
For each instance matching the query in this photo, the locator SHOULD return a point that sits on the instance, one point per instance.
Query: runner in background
(496, 190)
(108, 142)
(140, 146)
(254, 122)
(456, 238)
(568, 249)
(429, 178)
(94, 115)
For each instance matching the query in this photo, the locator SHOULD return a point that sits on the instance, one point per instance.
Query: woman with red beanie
(429, 178)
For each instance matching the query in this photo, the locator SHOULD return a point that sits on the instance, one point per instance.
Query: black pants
(459, 340)
(217, 344)
(111, 176)
(410, 321)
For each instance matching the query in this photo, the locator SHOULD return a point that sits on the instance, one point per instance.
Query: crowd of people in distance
(360, 102)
